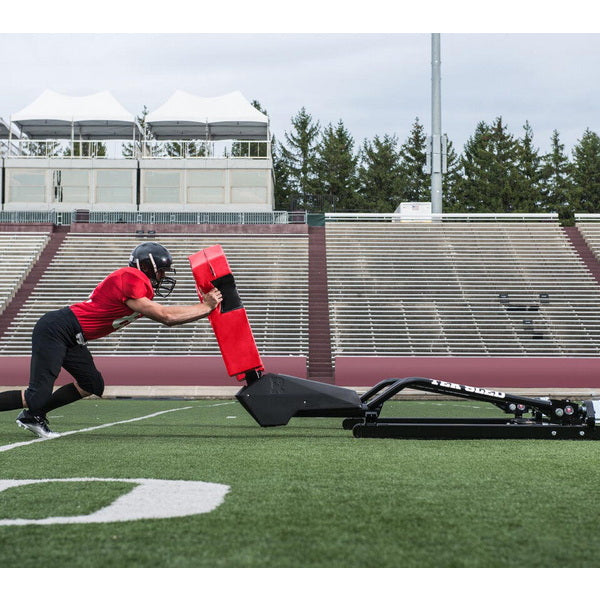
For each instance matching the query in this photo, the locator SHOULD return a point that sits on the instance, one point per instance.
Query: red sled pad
(229, 320)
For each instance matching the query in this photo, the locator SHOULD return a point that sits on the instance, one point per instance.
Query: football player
(60, 336)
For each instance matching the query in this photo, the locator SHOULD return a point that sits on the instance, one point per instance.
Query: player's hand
(213, 298)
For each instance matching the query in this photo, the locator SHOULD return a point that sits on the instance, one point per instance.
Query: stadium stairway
(56, 239)
(320, 365)
(583, 249)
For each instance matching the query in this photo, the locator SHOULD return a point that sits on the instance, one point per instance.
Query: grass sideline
(305, 495)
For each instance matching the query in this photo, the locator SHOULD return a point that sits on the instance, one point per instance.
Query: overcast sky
(375, 83)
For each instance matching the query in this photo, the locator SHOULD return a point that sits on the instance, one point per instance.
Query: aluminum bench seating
(423, 289)
(271, 273)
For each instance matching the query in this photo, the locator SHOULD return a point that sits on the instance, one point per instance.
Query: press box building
(196, 154)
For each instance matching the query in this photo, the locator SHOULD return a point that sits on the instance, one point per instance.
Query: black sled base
(274, 399)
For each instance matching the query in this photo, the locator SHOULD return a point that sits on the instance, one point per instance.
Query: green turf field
(305, 495)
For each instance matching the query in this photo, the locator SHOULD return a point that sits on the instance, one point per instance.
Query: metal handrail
(148, 217)
(193, 149)
(145, 149)
(441, 217)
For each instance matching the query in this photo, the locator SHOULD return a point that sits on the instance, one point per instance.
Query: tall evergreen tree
(379, 175)
(284, 186)
(491, 179)
(336, 167)
(451, 179)
(474, 163)
(415, 182)
(300, 156)
(556, 177)
(529, 189)
(585, 196)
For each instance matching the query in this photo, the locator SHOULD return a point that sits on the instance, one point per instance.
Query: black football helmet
(150, 258)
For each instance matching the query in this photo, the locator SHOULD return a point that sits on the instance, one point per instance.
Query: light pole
(437, 145)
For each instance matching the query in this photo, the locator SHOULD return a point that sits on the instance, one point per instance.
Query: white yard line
(156, 414)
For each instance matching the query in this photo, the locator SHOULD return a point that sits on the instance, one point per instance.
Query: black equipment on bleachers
(504, 300)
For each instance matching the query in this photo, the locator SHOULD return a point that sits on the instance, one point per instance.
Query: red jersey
(106, 311)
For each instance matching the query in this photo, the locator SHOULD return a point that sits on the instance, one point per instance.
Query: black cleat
(36, 424)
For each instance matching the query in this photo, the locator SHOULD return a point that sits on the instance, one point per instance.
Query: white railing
(50, 148)
(587, 216)
(258, 149)
(7, 148)
(185, 218)
(165, 149)
(437, 217)
(34, 216)
(266, 217)
(150, 217)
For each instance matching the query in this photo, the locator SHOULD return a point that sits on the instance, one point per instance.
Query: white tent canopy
(57, 116)
(186, 117)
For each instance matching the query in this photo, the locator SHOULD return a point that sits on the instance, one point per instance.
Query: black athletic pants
(54, 345)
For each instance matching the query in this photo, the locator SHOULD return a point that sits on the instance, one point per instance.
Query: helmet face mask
(154, 261)
(165, 285)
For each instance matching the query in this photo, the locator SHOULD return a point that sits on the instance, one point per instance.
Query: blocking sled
(273, 399)
(229, 320)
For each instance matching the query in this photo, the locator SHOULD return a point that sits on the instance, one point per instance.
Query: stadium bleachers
(591, 234)
(459, 289)
(395, 289)
(18, 253)
(270, 270)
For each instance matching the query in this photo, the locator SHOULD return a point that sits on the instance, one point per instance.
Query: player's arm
(176, 315)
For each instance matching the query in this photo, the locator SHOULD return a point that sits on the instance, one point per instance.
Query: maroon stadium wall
(155, 370)
(43, 227)
(541, 373)
(529, 372)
